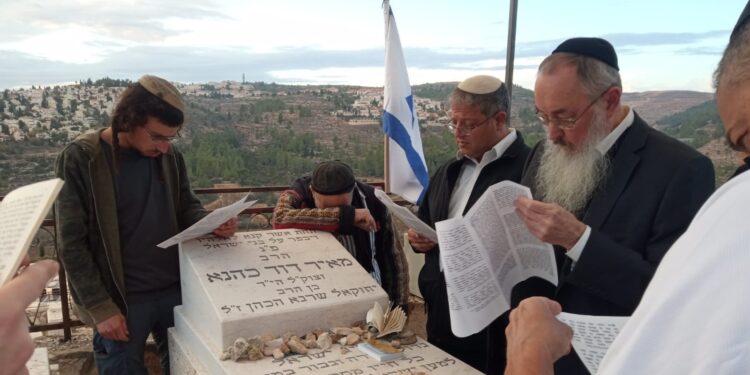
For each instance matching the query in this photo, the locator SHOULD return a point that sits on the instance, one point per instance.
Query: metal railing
(48, 226)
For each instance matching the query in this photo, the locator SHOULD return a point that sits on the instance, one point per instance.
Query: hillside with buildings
(266, 134)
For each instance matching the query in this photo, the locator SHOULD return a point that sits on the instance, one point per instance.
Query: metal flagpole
(510, 55)
(386, 164)
(386, 153)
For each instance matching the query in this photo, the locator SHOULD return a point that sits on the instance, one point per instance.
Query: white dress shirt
(470, 170)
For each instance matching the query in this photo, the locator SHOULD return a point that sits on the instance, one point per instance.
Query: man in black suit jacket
(489, 152)
(614, 194)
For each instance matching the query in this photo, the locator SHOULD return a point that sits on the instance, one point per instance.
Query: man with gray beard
(614, 194)
(569, 178)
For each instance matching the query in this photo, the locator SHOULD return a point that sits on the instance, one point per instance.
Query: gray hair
(732, 68)
(489, 104)
(594, 75)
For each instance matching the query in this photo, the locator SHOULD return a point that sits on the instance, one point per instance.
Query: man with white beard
(613, 193)
(693, 318)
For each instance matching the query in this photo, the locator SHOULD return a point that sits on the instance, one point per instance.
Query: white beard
(570, 178)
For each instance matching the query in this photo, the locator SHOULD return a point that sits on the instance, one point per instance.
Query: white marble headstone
(272, 282)
(38, 364)
(54, 315)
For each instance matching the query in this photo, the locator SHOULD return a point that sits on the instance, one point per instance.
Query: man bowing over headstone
(332, 200)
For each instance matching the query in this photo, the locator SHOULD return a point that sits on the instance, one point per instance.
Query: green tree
(59, 104)
(59, 137)
(305, 112)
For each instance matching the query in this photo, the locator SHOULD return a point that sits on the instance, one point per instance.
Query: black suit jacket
(655, 187)
(434, 208)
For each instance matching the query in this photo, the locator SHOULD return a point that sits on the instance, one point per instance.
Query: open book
(485, 254)
(390, 320)
(21, 213)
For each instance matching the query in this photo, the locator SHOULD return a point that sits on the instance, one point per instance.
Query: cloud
(625, 43)
(657, 39)
(198, 65)
(701, 50)
(111, 19)
(121, 58)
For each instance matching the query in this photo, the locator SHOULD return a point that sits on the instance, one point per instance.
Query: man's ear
(612, 97)
(501, 118)
(314, 195)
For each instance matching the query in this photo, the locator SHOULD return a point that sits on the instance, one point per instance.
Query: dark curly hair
(136, 105)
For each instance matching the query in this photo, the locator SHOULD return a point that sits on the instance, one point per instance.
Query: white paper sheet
(406, 216)
(209, 223)
(21, 213)
(487, 252)
(593, 335)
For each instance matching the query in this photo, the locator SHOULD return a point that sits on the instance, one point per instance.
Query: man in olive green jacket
(126, 190)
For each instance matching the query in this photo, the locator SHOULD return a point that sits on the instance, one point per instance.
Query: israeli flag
(406, 164)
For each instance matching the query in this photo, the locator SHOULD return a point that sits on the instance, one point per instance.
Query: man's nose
(554, 133)
(163, 147)
(460, 133)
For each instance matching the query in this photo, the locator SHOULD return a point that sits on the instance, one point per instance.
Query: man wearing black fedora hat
(612, 194)
(332, 200)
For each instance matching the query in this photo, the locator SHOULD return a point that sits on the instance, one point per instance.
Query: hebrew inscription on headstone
(272, 282)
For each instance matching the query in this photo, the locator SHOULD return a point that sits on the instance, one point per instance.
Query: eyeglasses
(466, 129)
(567, 123)
(158, 138)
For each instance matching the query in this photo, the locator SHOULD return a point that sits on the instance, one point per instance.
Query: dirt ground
(74, 357)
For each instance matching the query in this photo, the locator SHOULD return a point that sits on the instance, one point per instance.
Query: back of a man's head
(332, 183)
(332, 178)
(732, 82)
(733, 67)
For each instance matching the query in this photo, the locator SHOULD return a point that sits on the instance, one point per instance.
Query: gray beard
(570, 178)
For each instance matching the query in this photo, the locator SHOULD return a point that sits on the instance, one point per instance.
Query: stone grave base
(189, 355)
(38, 364)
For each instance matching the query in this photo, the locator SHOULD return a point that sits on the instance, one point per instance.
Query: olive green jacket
(88, 240)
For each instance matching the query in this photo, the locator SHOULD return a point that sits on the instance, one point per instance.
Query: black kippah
(332, 178)
(596, 48)
(742, 21)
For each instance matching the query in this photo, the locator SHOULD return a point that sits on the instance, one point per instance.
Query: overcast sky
(662, 44)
